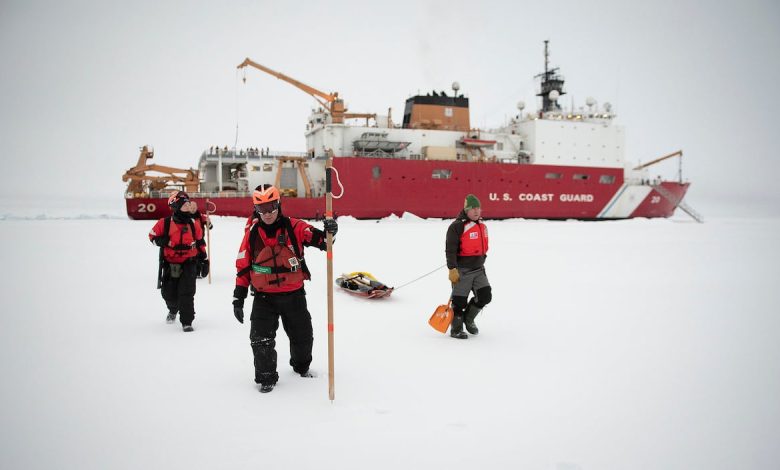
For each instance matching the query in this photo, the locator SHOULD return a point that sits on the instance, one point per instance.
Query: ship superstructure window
(376, 172)
(553, 176)
(607, 179)
(441, 174)
(580, 176)
(268, 166)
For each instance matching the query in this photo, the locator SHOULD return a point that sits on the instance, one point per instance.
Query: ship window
(607, 179)
(580, 176)
(553, 176)
(500, 146)
(267, 166)
(441, 174)
(376, 172)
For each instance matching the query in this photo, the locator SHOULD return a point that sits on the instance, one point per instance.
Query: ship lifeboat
(476, 143)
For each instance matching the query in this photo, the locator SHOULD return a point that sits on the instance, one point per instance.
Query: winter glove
(203, 266)
(454, 275)
(331, 226)
(239, 294)
(162, 241)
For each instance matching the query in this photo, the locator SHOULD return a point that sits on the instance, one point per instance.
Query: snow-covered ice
(611, 345)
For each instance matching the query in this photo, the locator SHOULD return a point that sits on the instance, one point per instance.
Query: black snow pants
(296, 321)
(179, 293)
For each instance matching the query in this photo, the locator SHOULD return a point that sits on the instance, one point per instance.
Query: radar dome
(521, 105)
(590, 101)
(554, 95)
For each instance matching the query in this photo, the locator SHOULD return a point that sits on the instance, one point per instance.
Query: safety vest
(474, 240)
(276, 266)
(185, 238)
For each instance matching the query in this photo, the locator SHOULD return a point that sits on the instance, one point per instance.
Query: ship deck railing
(201, 195)
(231, 155)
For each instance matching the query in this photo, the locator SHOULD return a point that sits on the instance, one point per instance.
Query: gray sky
(84, 84)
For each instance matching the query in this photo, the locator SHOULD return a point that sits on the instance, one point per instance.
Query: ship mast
(551, 82)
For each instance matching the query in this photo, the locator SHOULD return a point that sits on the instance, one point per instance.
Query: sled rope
(424, 275)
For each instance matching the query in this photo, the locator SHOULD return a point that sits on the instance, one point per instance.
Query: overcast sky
(85, 84)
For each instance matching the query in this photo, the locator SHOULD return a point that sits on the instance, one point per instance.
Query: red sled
(363, 284)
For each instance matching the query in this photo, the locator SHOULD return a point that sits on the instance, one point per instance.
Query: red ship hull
(376, 187)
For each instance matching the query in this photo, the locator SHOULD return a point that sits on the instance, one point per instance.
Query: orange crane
(329, 101)
(141, 183)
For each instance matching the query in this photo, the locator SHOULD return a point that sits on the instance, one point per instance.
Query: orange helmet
(265, 193)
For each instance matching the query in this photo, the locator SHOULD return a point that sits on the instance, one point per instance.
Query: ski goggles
(267, 207)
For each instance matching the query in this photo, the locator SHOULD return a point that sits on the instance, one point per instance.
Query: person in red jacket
(182, 258)
(270, 261)
(466, 249)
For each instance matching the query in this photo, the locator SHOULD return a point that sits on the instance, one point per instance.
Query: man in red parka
(466, 250)
(182, 258)
(270, 261)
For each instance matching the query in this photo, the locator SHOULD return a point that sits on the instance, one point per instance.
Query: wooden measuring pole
(208, 238)
(329, 239)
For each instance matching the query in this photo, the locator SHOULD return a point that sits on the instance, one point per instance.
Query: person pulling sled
(466, 249)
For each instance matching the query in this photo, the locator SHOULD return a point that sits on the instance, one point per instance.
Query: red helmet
(265, 193)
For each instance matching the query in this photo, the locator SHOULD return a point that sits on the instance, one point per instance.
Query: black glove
(162, 241)
(331, 226)
(203, 265)
(239, 294)
(238, 312)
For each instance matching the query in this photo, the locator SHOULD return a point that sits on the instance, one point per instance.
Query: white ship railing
(202, 195)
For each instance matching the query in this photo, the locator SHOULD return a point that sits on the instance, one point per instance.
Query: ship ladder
(678, 202)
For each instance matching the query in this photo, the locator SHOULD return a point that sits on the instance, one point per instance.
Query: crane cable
(235, 143)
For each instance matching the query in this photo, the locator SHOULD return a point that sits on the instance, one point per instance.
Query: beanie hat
(471, 202)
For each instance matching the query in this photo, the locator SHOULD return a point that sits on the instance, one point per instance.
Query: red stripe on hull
(376, 188)
(655, 205)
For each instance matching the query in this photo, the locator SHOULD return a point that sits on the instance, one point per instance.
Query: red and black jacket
(271, 258)
(467, 243)
(185, 239)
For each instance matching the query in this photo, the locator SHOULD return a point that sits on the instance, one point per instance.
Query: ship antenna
(546, 57)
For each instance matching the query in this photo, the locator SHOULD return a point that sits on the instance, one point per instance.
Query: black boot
(471, 313)
(171, 316)
(456, 328)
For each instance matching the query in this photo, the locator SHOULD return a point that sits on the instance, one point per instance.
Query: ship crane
(140, 181)
(678, 153)
(330, 101)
